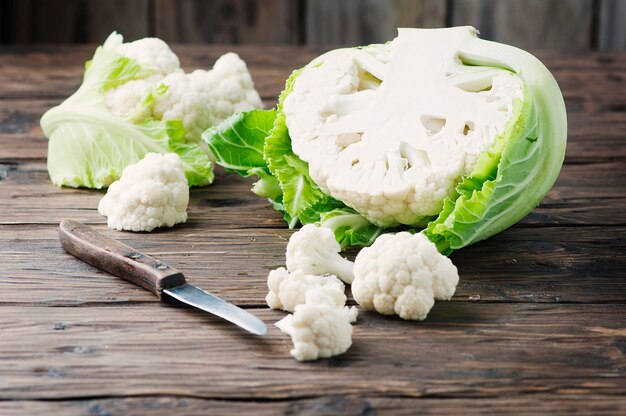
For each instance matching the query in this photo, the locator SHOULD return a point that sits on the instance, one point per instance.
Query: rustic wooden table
(538, 323)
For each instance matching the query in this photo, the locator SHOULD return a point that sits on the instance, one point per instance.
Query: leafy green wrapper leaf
(238, 141)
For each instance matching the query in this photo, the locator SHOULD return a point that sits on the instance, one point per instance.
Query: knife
(110, 255)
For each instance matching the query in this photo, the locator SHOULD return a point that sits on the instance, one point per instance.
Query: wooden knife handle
(117, 258)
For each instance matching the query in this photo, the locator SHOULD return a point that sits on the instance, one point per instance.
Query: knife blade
(110, 255)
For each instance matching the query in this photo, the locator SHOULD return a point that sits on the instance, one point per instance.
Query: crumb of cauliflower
(151, 193)
(287, 290)
(314, 250)
(403, 274)
(318, 328)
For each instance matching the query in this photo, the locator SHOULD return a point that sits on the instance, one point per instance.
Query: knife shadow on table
(216, 322)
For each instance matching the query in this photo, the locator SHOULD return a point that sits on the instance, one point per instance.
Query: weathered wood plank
(561, 264)
(592, 83)
(463, 349)
(21, 75)
(587, 193)
(228, 22)
(529, 24)
(358, 22)
(611, 27)
(62, 21)
(21, 66)
(593, 136)
(537, 325)
(325, 405)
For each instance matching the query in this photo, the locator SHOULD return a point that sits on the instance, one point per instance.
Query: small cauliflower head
(287, 290)
(163, 91)
(318, 328)
(314, 250)
(151, 193)
(403, 274)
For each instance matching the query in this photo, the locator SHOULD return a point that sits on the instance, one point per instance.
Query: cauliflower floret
(153, 53)
(403, 274)
(151, 193)
(127, 99)
(314, 250)
(318, 328)
(200, 99)
(287, 290)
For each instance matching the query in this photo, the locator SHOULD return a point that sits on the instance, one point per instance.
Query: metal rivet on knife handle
(117, 258)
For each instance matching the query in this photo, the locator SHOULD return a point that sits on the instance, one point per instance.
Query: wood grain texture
(540, 265)
(537, 325)
(529, 24)
(21, 75)
(63, 21)
(228, 21)
(559, 24)
(612, 25)
(109, 351)
(359, 22)
(323, 406)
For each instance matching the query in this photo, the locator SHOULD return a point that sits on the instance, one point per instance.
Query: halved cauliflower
(391, 136)
(403, 274)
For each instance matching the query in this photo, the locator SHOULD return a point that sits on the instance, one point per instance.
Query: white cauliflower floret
(127, 99)
(287, 290)
(314, 250)
(200, 99)
(153, 53)
(403, 274)
(151, 193)
(318, 328)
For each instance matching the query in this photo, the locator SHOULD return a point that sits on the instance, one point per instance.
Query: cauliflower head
(318, 328)
(134, 100)
(151, 193)
(287, 290)
(403, 274)
(314, 250)
(390, 136)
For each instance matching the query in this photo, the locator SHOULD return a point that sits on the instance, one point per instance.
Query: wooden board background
(569, 25)
(537, 325)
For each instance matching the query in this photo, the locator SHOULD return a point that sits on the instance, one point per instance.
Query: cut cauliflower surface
(389, 134)
(402, 274)
(314, 250)
(318, 328)
(199, 99)
(287, 290)
(151, 193)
